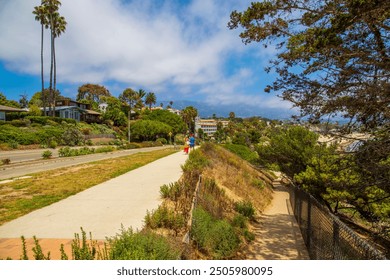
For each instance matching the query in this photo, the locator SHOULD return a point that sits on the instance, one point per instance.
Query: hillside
(229, 198)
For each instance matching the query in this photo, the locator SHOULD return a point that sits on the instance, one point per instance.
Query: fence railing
(195, 196)
(325, 236)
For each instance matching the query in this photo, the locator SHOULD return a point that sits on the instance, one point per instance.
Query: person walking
(186, 145)
(192, 142)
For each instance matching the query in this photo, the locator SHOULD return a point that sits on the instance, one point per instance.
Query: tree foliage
(164, 116)
(148, 130)
(333, 56)
(92, 92)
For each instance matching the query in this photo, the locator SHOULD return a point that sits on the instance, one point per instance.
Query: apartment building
(209, 126)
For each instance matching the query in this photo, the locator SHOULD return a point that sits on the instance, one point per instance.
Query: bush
(129, 245)
(53, 144)
(246, 209)
(72, 137)
(163, 217)
(242, 151)
(171, 191)
(47, 154)
(216, 237)
(162, 141)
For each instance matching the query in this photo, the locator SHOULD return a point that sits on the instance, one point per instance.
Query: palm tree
(140, 95)
(189, 113)
(51, 9)
(59, 27)
(40, 15)
(150, 99)
(130, 97)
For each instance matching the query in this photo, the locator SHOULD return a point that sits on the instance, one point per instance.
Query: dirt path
(277, 235)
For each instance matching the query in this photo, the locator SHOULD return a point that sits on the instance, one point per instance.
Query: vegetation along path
(101, 210)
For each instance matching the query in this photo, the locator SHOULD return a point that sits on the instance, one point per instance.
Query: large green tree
(92, 93)
(333, 56)
(333, 59)
(164, 116)
(189, 114)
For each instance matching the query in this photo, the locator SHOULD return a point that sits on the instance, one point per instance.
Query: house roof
(10, 109)
(59, 108)
(91, 112)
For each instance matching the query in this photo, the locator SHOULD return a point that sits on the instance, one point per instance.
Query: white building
(209, 126)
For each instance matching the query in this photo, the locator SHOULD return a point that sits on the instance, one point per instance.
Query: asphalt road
(27, 162)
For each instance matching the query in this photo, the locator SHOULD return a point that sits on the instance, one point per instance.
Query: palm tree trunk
(42, 78)
(51, 65)
(55, 78)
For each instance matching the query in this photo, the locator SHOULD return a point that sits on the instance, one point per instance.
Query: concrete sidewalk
(102, 209)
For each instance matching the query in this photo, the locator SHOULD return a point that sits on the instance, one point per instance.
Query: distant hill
(241, 111)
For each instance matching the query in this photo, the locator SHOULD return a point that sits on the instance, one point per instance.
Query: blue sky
(181, 50)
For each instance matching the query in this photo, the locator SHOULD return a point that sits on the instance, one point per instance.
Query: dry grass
(26, 195)
(239, 180)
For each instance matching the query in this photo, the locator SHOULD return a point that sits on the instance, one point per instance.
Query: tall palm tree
(40, 15)
(59, 27)
(150, 99)
(51, 8)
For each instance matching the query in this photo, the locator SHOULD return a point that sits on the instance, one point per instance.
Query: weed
(171, 191)
(38, 253)
(24, 249)
(82, 249)
(163, 217)
(246, 209)
(47, 154)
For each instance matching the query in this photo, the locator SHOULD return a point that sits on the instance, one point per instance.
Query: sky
(180, 50)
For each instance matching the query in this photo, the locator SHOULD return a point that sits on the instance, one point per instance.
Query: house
(209, 126)
(6, 109)
(69, 109)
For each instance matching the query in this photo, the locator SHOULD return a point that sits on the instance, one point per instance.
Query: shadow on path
(277, 236)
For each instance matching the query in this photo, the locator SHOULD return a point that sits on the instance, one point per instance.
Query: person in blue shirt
(192, 142)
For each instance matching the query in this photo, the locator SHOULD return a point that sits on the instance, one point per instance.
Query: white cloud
(134, 43)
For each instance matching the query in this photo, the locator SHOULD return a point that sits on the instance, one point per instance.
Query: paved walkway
(101, 210)
(278, 236)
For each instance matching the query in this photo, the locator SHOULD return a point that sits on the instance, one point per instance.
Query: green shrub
(13, 144)
(162, 141)
(163, 217)
(196, 161)
(240, 221)
(129, 245)
(242, 151)
(216, 237)
(171, 191)
(72, 136)
(65, 152)
(246, 209)
(47, 154)
(53, 144)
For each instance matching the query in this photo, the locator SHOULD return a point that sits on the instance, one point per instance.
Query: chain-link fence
(325, 236)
